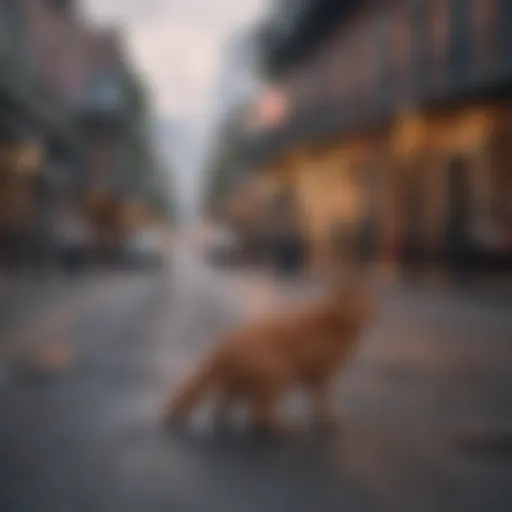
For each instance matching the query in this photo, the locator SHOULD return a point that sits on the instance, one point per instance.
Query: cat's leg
(324, 413)
(264, 416)
(223, 410)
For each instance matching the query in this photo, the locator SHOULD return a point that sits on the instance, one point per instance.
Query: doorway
(457, 236)
(413, 250)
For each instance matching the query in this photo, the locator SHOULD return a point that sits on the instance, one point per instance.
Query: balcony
(25, 95)
(316, 124)
(29, 108)
(294, 27)
(462, 84)
(104, 105)
(505, 39)
(105, 95)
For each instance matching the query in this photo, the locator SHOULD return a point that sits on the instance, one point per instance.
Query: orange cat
(259, 364)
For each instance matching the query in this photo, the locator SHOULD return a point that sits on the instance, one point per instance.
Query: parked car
(144, 250)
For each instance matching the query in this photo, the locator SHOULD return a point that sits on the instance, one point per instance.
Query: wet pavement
(426, 416)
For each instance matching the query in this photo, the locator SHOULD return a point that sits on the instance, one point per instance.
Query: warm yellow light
(134, 214)
(409, 135)
(28, 159)
(472, 130)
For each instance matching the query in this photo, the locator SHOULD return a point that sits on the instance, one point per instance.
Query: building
(114, 123)
(36, 134)
(238, 85)
(400, 127)
(238, 79)
(74, 129)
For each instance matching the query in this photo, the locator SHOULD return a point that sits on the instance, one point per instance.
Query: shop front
(332, 200)
(20, 164)
(441, 186)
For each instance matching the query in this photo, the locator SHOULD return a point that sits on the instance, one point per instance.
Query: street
(425, 407)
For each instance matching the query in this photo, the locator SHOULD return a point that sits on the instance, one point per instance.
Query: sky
(178, 45)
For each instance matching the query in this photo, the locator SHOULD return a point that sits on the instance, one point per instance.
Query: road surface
(426, 415)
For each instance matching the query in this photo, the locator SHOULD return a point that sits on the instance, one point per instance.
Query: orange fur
(260, 363)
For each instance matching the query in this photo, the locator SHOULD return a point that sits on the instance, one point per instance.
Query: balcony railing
(105, 94)
(505, 38)
(295, 28)
(460, 50)
(462, 83)
(18, 80)
(420, 48)
(104, 98)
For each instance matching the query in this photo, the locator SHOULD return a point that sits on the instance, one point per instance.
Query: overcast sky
(177, 44)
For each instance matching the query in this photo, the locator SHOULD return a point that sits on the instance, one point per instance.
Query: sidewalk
(487, 291)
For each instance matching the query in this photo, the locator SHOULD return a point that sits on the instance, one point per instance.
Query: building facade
(400, 131)
(74, 129)
(36, 135)
(237, 87)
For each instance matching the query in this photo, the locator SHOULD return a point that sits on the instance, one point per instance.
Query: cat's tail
(191, 392)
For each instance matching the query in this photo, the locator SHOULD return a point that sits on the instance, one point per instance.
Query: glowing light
(272, 110)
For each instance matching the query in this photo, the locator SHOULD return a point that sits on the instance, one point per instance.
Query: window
(505, 35)
(306, 88)
(313, 82)
(335, 69)
(420, 47)
(401, 47)
(370, 61)
(438, 21)
(484, 17)
(383, 61)
(461, 41)
(363, 65)
(59, 5)
(358, 70)
(351, 70)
